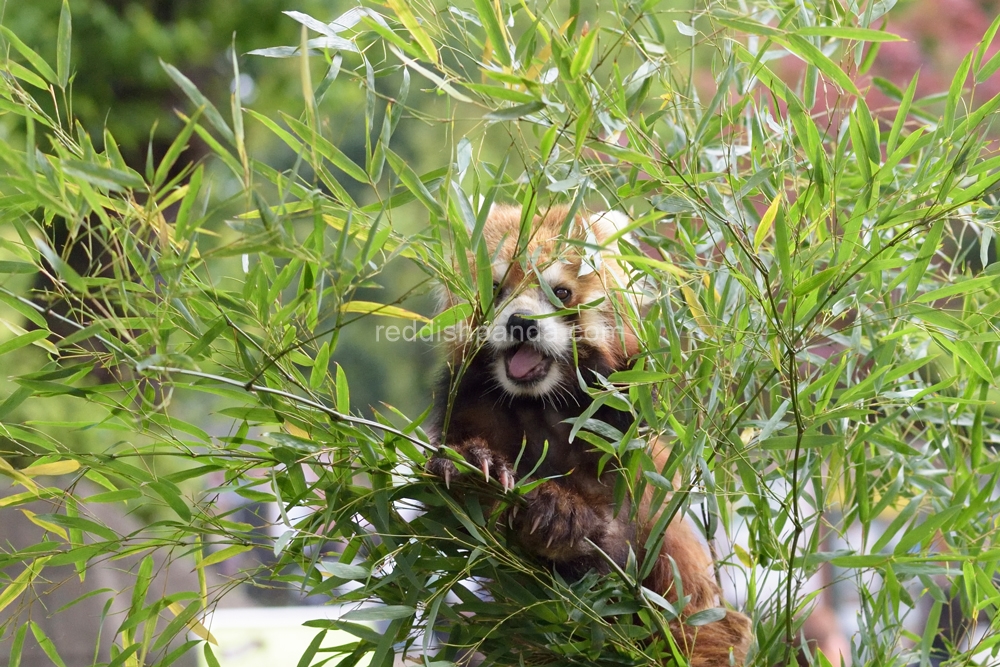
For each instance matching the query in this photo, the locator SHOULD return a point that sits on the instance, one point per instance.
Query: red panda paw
(557, 522)
(479, 456)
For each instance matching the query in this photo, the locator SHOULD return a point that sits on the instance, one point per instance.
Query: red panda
(512, 391)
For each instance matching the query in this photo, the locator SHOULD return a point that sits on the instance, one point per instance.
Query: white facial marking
(500, 270)
(596, 329)
(554, 275)
(554, 338)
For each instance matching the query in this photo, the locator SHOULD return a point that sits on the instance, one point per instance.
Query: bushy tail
(720, 643)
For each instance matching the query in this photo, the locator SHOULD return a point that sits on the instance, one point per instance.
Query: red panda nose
(521, 329)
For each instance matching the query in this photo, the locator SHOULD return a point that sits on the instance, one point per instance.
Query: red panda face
(555, 303)
(532, 349)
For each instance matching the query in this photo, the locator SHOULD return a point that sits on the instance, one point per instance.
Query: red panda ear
(607, 223)
(603, 226)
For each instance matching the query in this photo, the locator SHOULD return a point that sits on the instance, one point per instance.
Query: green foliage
(820, 349)
(109, 55)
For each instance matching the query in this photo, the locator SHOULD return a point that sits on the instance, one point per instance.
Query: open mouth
(525, 364)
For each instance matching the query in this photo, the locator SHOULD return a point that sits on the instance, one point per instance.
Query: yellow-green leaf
(766, 222)
(21, 582)
(194, 625)
(7, 470)
(584, 54)
(54, 468)
(21, 72)
(47, 525)
(17, 498)
(696, 311)
(372, 308)
(661, 265)
(407, 18)
(225, 554)
(447, 318)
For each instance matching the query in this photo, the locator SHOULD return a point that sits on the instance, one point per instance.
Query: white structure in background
(270, 636)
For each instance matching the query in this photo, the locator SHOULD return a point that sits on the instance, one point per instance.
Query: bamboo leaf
(23, 340)
(766, 221)
(63, 270)
(901, 114)
(961, 288)
(705, 616)
(200, 102)
(224, 554)
(447, 318)
(971, 356)
(410, 22)
(36, 60)
(431, 76)
(924, 531)
(384, 310)
(327, 149)
(584, 54)
(53, 468)
(64, 40)
(344, 571)
(9, 267)
(639, 377)
(194, 625)
(989, 68)
(21, 582)
(697, 312)
(848, 32)
(515, 112)
(815, 281)
(489, 14)
(104, 177)
(24, 74)
(46, 644)
(412, 182)
(812, 55)
(379, 613)
(343, 390)
(955, 94)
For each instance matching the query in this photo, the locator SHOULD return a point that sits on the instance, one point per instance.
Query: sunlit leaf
(370, 308)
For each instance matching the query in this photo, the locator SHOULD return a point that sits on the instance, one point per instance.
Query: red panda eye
(562, 293)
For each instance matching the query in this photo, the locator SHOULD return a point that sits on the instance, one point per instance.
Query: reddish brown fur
(564, 513)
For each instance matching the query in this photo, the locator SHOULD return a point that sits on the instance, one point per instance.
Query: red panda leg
(560, 524)
(480, 456)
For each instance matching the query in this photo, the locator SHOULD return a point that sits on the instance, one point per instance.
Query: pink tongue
(524, 361)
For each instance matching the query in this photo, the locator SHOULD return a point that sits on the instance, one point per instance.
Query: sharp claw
(486, 470)
(548, 543)
(505, 480)
(534, 525)
(514, 509)
(447, 479)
